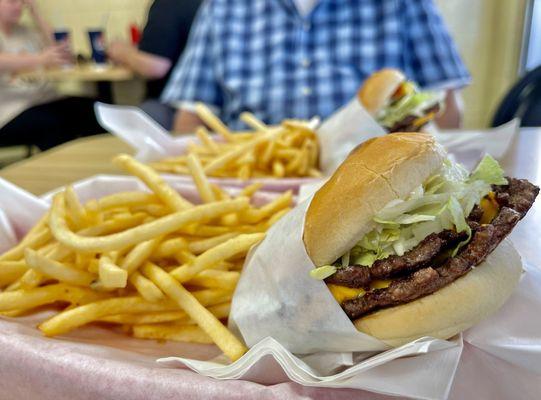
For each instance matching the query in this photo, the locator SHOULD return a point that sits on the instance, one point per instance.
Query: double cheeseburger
(396, 103)
(410, 243)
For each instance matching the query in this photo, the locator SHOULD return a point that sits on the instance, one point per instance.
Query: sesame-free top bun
(452, 309)
(341, 213)
(378, 88)
(382, 169)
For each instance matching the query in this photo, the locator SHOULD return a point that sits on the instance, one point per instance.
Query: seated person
(164, 38)
(301, 58)
(31, 111)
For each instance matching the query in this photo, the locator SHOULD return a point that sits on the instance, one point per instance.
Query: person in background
(301, 58)
(163, 41)
(31, 111)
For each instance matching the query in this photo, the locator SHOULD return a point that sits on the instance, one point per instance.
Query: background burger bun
(378, 89)
(452, 309)
(382, 169)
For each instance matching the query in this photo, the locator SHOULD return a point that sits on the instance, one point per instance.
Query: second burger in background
(397, 104)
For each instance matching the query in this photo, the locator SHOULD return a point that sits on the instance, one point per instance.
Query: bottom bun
(452, 309)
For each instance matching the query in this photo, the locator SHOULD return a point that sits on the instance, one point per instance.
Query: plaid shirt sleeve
(193, 78)
(432, 59)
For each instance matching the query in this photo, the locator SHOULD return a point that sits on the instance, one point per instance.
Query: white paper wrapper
(284, 314)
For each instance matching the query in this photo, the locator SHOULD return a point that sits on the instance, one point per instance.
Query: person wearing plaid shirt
(301, 58)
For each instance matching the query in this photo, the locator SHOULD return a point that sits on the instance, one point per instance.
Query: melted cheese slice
(343, 293)
(490, 208)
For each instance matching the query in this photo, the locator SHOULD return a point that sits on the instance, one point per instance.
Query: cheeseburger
(396, 103)
(410, 243)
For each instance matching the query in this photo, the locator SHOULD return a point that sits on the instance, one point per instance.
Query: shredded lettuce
(444, 201)
(489, 171)
(323, 272)
(413, 103)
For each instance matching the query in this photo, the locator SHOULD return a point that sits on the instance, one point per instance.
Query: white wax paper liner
(384, 373)
(280, 311)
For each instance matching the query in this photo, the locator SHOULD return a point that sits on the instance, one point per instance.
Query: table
(89, 73)
(84, 157)
(102, 76)
(67, 163)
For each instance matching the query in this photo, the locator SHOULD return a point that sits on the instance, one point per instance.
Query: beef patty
(515, 199)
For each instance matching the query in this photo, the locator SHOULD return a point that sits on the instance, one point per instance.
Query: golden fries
(287, 150)
(158, 265)
(180, 333)
(212, 326)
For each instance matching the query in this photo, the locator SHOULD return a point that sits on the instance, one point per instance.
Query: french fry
(253, 122)
(250, 190)
(170, 247)
(77, 212)
(278, 169)
(116, 259)
(74, 318)
(114, 225)
(11, 271)
(254, 216)
(57, 270)
(146, 288)
(140, 233)
(213, 122)
(239, 244)
(178, 333)
(37, 240)
(204, 137)
(200, 246)
(31, 279)
(28, 299)
(212, 326)
(111, 275)
(220, 311)
(231, 155)
(200, 179)
(125, 199)
(154, 181)
(71, 319)
(216, 279)
(139, 254)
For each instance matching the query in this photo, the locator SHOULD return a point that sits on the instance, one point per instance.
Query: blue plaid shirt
(263, 56)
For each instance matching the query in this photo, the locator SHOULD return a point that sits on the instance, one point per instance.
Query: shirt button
(306, 91)
(306, 26)
(305, 62)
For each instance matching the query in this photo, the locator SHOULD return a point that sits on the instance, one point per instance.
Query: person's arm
(145, 64)
(451, 118)
(43, 27)
(50, 57)
(186, 122)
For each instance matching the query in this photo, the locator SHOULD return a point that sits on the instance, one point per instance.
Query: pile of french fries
(151, 263)
(288, 150)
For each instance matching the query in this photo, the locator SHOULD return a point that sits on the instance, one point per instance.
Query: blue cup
(97, 43)
(62, 36)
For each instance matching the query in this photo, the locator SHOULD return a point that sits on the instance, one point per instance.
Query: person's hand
(119, 51)
(31, 4)
(56, 55)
